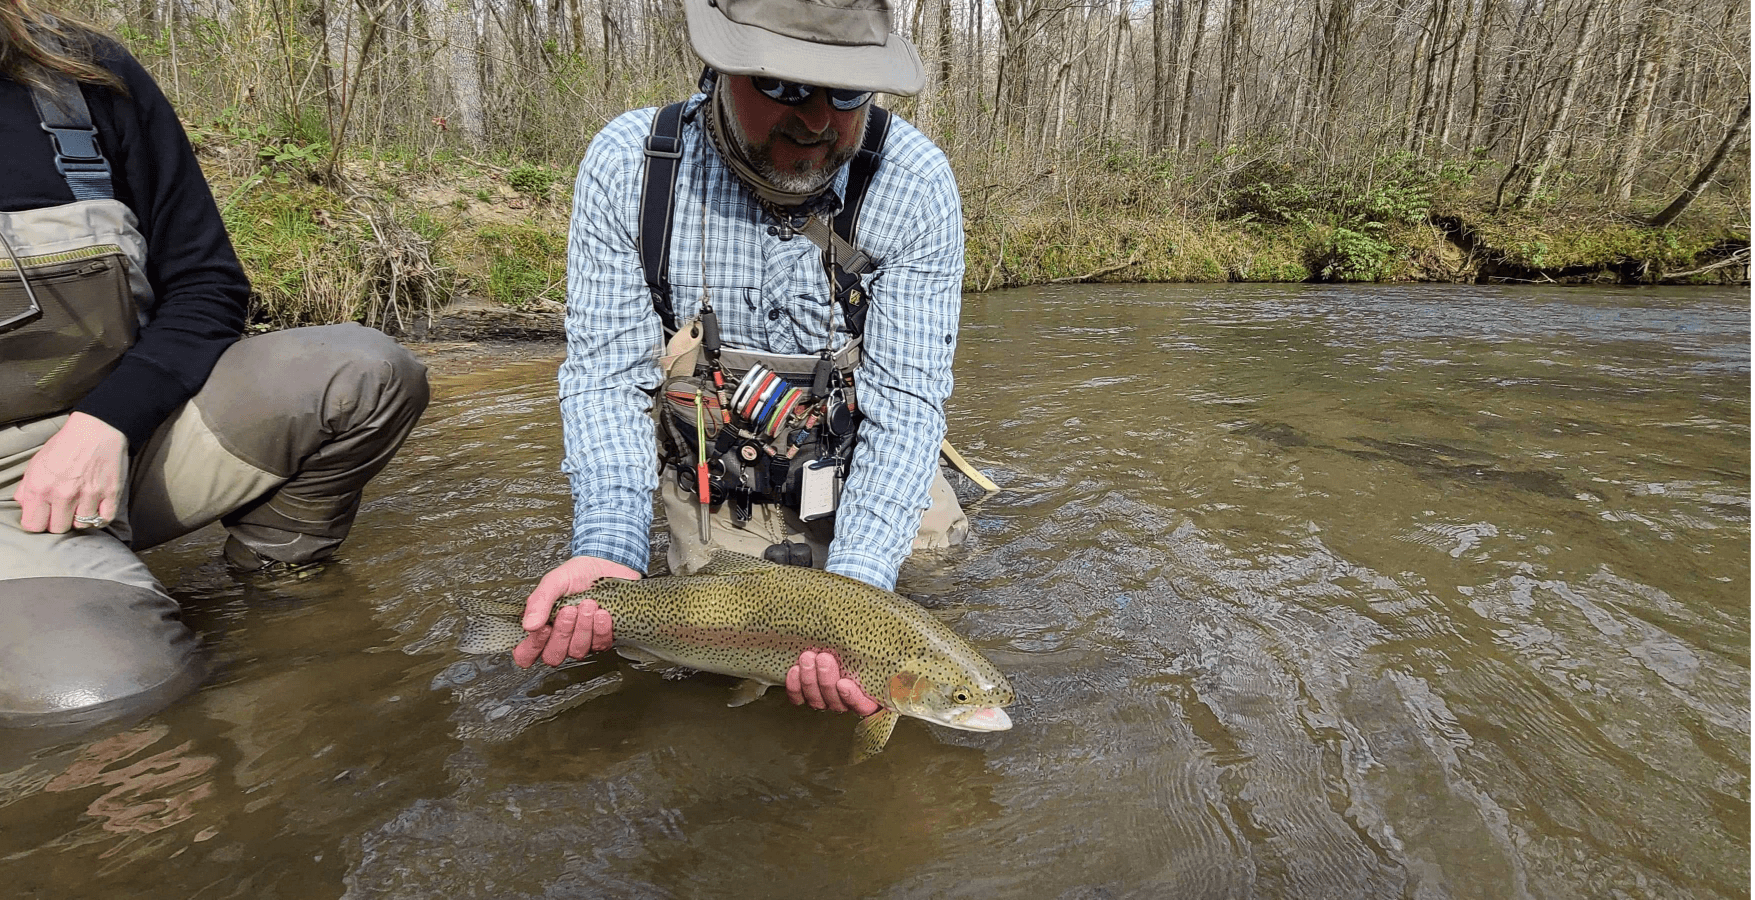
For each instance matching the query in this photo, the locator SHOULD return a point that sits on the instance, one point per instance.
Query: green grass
(526, 262)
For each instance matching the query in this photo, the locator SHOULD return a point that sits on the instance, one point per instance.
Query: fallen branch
(1096, 274)
(1741, 257)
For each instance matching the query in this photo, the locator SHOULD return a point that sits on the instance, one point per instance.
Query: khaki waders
(942, 525)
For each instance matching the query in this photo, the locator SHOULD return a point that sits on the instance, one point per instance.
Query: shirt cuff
(865, 567)
(618, 542)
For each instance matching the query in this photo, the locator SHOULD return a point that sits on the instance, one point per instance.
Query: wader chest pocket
(54, 351)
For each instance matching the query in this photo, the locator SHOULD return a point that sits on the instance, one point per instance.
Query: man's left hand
(816, 680)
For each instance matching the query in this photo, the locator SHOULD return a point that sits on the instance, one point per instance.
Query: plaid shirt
(770, 295)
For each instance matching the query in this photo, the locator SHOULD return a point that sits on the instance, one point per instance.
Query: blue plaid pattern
(772, 295)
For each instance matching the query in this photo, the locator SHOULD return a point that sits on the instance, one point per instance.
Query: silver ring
(91, 521)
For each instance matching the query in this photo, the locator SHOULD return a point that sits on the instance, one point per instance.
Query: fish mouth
(990, 719)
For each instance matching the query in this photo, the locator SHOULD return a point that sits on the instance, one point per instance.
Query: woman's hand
(76, 474)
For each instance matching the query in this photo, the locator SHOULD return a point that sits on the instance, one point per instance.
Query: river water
(1307, 592)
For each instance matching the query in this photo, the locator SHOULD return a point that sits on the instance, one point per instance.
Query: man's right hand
(577, 631)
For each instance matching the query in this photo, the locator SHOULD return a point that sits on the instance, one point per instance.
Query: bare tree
(1734, 136)
(1654, 42)
(1200, 28)
(1562, 111)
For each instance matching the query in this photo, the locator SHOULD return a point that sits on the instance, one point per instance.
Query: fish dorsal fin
(725, 562)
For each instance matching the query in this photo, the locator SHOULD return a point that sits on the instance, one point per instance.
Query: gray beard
(761, 157)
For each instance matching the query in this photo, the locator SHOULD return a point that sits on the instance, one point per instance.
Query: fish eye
(961, 696)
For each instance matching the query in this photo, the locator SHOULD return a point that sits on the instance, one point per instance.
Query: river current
(1307, 592)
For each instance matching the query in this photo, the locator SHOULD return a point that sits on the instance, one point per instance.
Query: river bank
(477, 249)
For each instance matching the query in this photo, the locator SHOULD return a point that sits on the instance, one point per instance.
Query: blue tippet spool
(779, 390)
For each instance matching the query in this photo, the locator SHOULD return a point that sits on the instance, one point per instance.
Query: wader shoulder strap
(842, 258)
(64, 115)
(843, 261)
(860, 173)
(657, 205)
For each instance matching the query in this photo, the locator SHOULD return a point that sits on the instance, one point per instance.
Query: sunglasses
(791, 93)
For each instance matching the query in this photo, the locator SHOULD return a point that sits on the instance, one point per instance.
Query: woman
(130, 411)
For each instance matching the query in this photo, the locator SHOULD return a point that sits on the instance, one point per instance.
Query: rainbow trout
(750, 618)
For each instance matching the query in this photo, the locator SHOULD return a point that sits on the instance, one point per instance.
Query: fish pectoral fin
(725, 562)
(872, 733)
(644, 659)
(636, 654)
(748, 690)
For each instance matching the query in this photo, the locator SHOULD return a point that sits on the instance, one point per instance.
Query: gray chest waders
(744, 427)
(73, 288)
(73, 295)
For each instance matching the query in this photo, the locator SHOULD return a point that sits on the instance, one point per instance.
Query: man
(761, 170)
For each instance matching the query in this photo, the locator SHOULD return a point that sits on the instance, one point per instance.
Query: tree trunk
(1707, 172)
(1159, 69)
(1337, 37)
(1478, 73)
(1435, 48)
(1511, 81)
(1112, 78)
(1236, 40)
(1015, 19)
(1309, 77)
(1447, 103)
(1178, 25)
(1638, 118)
(1562, 115)
(1053, 129)
(1410, 101)
(945, 35)
(1200, 28)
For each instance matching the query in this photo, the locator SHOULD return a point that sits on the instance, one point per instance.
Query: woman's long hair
(34, 43)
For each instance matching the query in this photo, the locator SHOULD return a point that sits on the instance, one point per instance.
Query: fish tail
(490, 626)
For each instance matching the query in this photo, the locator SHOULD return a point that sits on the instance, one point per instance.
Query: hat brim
(734, 49)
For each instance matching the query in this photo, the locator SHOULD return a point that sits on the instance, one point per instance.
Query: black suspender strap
(846, 282)
(64, 115)
(860, 172)
(657, 205)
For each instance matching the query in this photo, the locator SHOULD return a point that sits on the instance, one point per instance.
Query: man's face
(798, 148)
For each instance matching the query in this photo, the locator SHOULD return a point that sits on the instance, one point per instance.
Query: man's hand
(817, 680)
(577, 631)
(78, 472)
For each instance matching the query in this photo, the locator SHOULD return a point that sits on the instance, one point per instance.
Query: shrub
(532, 180)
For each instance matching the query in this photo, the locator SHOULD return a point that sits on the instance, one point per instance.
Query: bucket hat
(830, 43)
